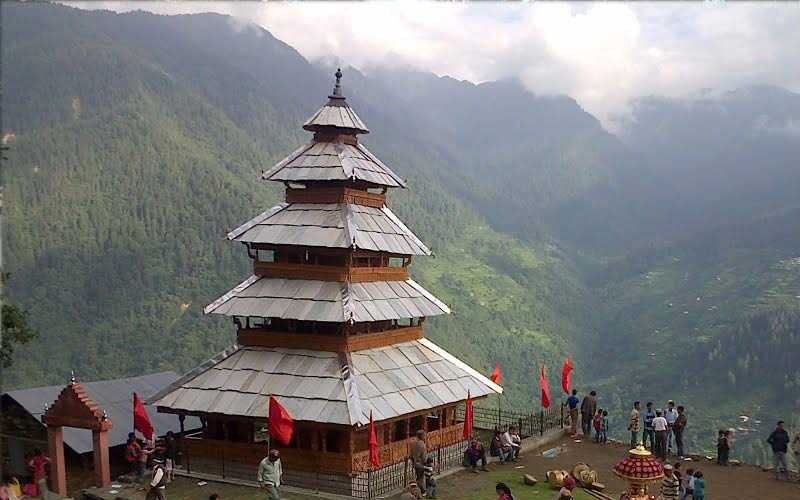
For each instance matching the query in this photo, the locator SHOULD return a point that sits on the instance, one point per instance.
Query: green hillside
(126, 174)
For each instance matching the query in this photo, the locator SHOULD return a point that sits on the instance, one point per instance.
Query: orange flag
(374, 459)
(141, 420)
(496, 376)
(281, 424)
(468, 416)
(566, 371)
(545, 388)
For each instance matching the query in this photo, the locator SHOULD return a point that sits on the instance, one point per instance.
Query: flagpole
(499, 411)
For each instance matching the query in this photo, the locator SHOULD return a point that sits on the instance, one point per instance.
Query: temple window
(305, 439)
(266, 255)
(333, 441)
(435, 420)
(417, 423)
(399, 431)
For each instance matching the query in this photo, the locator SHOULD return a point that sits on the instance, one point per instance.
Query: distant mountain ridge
(138, 140)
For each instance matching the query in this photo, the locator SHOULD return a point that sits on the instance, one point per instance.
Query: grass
(481, 486)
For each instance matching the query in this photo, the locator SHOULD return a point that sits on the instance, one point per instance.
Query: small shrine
(73, 408)
(639, 469)
(330, 323)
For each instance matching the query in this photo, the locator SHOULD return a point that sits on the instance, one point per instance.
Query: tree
(15, 330)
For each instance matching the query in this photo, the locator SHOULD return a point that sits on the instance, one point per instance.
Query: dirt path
(722, 483)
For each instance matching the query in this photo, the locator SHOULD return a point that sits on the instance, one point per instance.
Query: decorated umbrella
(639, 469)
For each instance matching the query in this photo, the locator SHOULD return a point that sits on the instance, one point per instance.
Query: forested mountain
(137, 141)
(136, 145)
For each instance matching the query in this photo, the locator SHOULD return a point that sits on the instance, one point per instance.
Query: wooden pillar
(58, 470)
(102, 469)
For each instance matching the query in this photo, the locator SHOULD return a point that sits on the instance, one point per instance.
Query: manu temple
(329, 323)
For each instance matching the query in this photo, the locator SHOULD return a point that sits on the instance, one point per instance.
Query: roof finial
(72, 377)
(337, 89)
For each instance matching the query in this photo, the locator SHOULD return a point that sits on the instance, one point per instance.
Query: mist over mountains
(137, 140)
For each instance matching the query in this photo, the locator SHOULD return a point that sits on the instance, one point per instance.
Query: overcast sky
(601, 54)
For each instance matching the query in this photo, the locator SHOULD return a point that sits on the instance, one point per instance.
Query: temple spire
(337, 89)
(336, 116)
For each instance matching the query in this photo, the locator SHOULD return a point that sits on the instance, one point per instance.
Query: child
(430, 481)
(688, 484)
(597, 424)
(503, 492)
(171, 455)
(516, 441)
(723, 448)
(15, 487)
(699, 487)
(604, 428)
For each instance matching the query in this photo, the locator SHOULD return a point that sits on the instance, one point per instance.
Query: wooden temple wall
(346, 471)
(333, 343)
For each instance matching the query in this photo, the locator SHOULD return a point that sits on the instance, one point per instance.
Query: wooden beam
(329, 273)
(336, 194)
(58, 467)
(331, 343)
(102, 469)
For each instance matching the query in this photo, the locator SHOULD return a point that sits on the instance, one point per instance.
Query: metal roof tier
(332, 225)
(333, 161)
(336, 113)
(327, 387)
(312, 300)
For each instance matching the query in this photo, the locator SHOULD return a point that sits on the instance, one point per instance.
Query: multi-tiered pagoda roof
(327, 324)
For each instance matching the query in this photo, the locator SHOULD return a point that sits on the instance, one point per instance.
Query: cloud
(789, 127)
(601, 54)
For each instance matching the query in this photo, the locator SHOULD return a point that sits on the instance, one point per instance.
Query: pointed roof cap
(73, 408)
(336, 113)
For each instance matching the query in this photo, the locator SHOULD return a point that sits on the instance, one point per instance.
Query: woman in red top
(503, 492)
(597, 421)
(39, 465)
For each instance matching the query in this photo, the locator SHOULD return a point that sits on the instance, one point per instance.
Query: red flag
(374, 459)
(468, 416)
(281, 424)
(566, 371)
(545, 389)
(496, 376)
(141, 421)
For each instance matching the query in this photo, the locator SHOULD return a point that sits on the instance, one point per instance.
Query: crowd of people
(34, 486)
(161, 454)
(653, 428)
(660, 429)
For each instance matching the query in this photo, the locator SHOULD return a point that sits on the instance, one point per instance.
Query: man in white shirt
(515, 441)
(508, 443)
(671, 416)
(155, 488)
(633, 425)
(660, 426)
(270, 473)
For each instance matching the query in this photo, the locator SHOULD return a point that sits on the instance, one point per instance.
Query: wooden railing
(400, 450)
(329, 273)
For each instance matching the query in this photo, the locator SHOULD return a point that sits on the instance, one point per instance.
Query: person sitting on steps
(475, 453)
